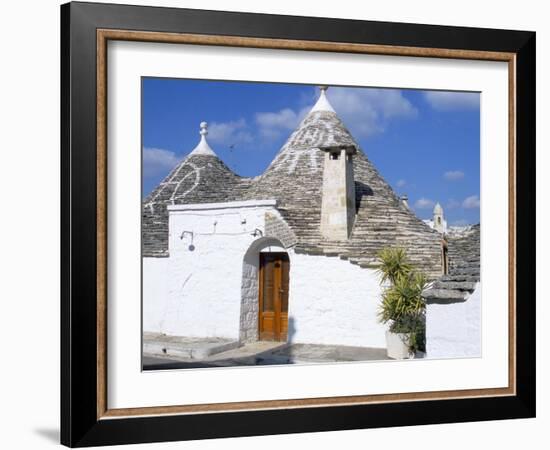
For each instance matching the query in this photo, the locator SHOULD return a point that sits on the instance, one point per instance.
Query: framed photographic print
(277, 224)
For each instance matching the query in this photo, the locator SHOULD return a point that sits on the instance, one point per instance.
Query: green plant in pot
(402, 306)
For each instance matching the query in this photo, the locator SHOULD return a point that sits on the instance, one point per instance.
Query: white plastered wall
(454, 330)
(207, 287)
(333, 302)
(207, 243)
(154, 292)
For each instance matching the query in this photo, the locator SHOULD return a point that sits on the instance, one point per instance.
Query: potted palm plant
(402, 306)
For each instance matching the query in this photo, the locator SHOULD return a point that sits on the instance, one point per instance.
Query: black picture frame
(80, 425)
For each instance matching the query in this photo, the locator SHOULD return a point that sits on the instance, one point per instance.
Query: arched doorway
(264, 292)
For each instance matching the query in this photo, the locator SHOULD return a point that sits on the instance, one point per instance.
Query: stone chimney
(338, 196)
(405, 200)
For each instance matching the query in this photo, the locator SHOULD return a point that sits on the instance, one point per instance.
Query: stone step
(368, 264)
(457, 277)
(455, 285)
(189, 348)
(445, 294)
(468, 256)
(463, 264)
(466, 271)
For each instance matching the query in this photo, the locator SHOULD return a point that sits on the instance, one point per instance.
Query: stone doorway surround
(248, 324)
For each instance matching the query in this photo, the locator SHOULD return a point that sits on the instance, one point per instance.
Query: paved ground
(326, 353)
(185, 347)
(266, 353)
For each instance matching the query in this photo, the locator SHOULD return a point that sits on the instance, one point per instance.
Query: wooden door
(273, 296)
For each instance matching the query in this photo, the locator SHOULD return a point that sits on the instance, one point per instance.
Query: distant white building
(438, 221)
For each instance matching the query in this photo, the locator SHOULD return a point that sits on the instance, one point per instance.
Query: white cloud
(157, 161)
(364, 111)
(471, 202)
(367, 111)
(452, 204)
(228, 133)
(401, 183)
(285, 118)
(453, 175)
(272, 124)
(424, 203)
(452, 101)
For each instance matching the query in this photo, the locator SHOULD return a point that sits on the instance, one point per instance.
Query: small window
(335, 156)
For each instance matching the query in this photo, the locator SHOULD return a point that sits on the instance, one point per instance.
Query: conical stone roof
(295, 179)
(201, 177)
(295, 176)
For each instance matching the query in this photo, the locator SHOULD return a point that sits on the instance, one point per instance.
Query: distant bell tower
(338, 197)
(440, 224)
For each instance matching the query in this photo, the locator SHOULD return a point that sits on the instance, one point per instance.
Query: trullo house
(288, 255)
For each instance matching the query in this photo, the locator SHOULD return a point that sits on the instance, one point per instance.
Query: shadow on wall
(361, 190)
(289, 350)
(291, 330)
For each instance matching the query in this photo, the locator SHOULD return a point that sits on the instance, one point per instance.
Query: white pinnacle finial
(322, 103)
(203, 148)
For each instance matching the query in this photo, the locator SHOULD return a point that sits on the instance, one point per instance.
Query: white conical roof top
(322, 103)
(438, 209)
(202, 147)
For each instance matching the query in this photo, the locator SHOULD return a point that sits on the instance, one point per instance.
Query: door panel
(268, 287)
(273, 296)
(283, 289)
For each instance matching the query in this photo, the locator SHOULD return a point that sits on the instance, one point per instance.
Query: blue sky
(424, 143)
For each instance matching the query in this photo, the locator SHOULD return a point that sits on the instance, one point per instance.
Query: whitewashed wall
(333, 302)
(454, 330)
(155, 291)
(205, 270)
(210, 286)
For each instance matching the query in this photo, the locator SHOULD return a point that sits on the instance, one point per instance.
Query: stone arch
(248, 323)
